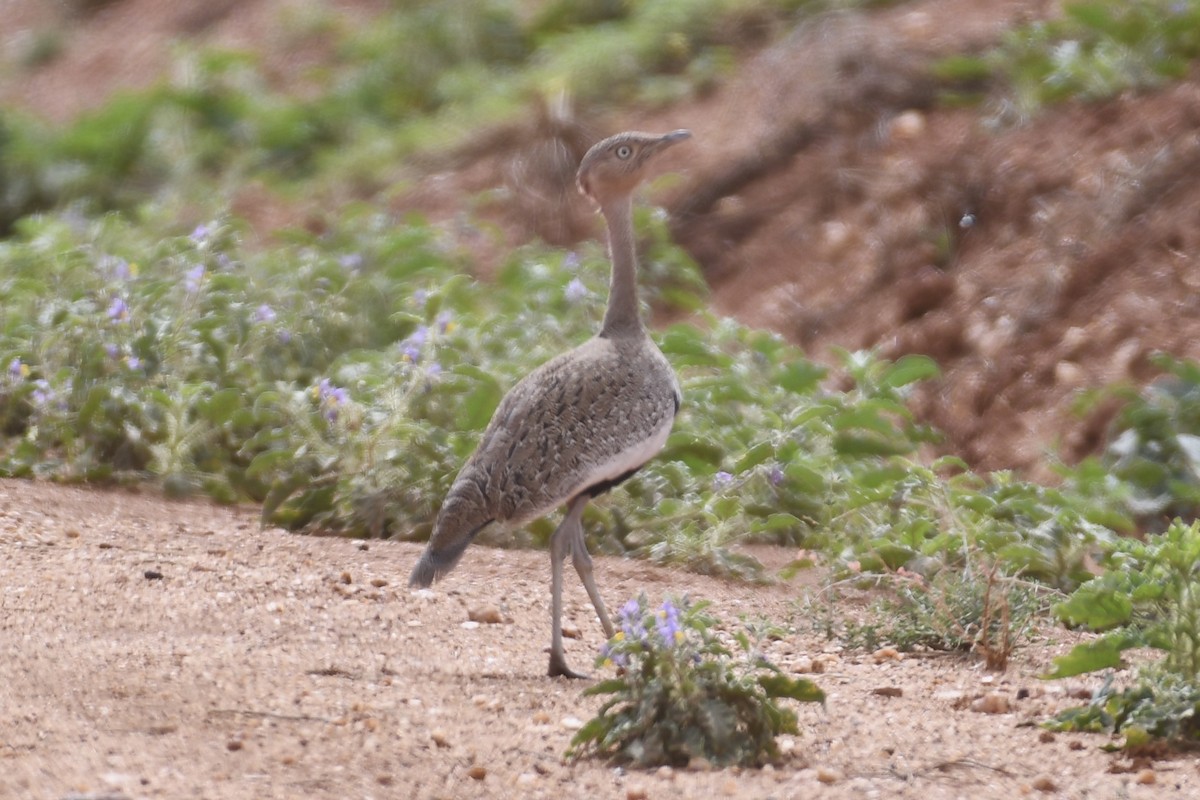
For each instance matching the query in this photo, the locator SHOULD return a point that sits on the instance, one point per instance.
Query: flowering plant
(681, 693)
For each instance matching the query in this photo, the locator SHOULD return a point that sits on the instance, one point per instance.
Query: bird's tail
(461, 518)
(436, 562)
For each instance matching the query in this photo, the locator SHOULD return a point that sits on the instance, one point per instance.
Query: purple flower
(775, 475)
(264, 313)
(117, 267)
(571, 261)
(351, 262)
(192, 279)
(200, 234)
(410, 348)
(117, 310)
(133, 362)
(667, 623)
(111, 350)
(630, 617)
(575, 291)
(617, 658)
(42, 393)
(433, 370)
(445, 322)
(419, 297)
(722, 479)
(17, 369)
(331, 398)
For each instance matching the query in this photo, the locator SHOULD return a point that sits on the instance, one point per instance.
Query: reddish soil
(174, 650)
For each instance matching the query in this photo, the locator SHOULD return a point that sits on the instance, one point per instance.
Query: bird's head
(616, 165)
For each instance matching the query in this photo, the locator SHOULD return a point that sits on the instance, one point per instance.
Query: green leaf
(1099, 609)
(778, 685)
(910, 369)
(1103, 653)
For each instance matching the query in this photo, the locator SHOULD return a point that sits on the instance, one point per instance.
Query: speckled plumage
(565, 419)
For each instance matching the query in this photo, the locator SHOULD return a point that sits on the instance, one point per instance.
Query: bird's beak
(674, 137)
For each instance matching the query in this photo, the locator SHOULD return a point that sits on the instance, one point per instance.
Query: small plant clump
(1149, 597)
(682, 694)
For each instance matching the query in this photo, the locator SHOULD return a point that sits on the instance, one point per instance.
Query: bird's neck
(623, 315)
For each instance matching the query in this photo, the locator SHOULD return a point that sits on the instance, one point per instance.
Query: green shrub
(1148, 597)
(682, 694)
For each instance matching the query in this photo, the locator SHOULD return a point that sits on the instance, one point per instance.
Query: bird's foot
(559, 668)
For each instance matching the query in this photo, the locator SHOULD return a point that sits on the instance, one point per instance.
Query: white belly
(630, 458)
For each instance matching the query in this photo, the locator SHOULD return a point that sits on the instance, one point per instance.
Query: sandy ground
(263, 664)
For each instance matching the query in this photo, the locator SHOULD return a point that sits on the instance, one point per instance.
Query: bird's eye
(624, 152)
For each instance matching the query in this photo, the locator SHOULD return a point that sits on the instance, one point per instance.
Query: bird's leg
(562, 541)
(582, 560)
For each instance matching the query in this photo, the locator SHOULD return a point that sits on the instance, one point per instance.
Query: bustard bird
(579, 424)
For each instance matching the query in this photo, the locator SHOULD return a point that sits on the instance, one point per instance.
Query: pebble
(526, 779)
(486, 614)
(730, 788)
(828, 776)
(1147, 777)
(908, 125)
(541, 718)
(477, 772)
(887, 654)
(571, 632)
(636, 793)
(572, 723)
(699, 764)
(345, 577)
(888, 691)
(233, 745)
(1043, 783)
(378, 583)
(992, 703)
(439, 738)
(666, 773)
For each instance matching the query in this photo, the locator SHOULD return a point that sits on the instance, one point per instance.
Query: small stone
(480, 700)
(468, 624)
(486, 614)
(439, 737)
(345, 577)
(477, 772)
(572, 723)
(636, 793)
(787, 745)
(699, 764)
(571, 632)
(666, 773)
(362, 546)
(828, 776)
(730, 788)
(1043, 783)
(886, 654)
(153, 575)
(541, 718)
(526, 779)
(72, 533)
(1046, 737)
(378, 583)
(992, 703)
(384, 780)
(233, 745)
(1075, 745)
(1147, 777)
(1069, 374)
(908, 125)
(888, 691)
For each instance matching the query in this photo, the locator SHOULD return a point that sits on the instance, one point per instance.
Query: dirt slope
(827, 195)
(267, 665)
